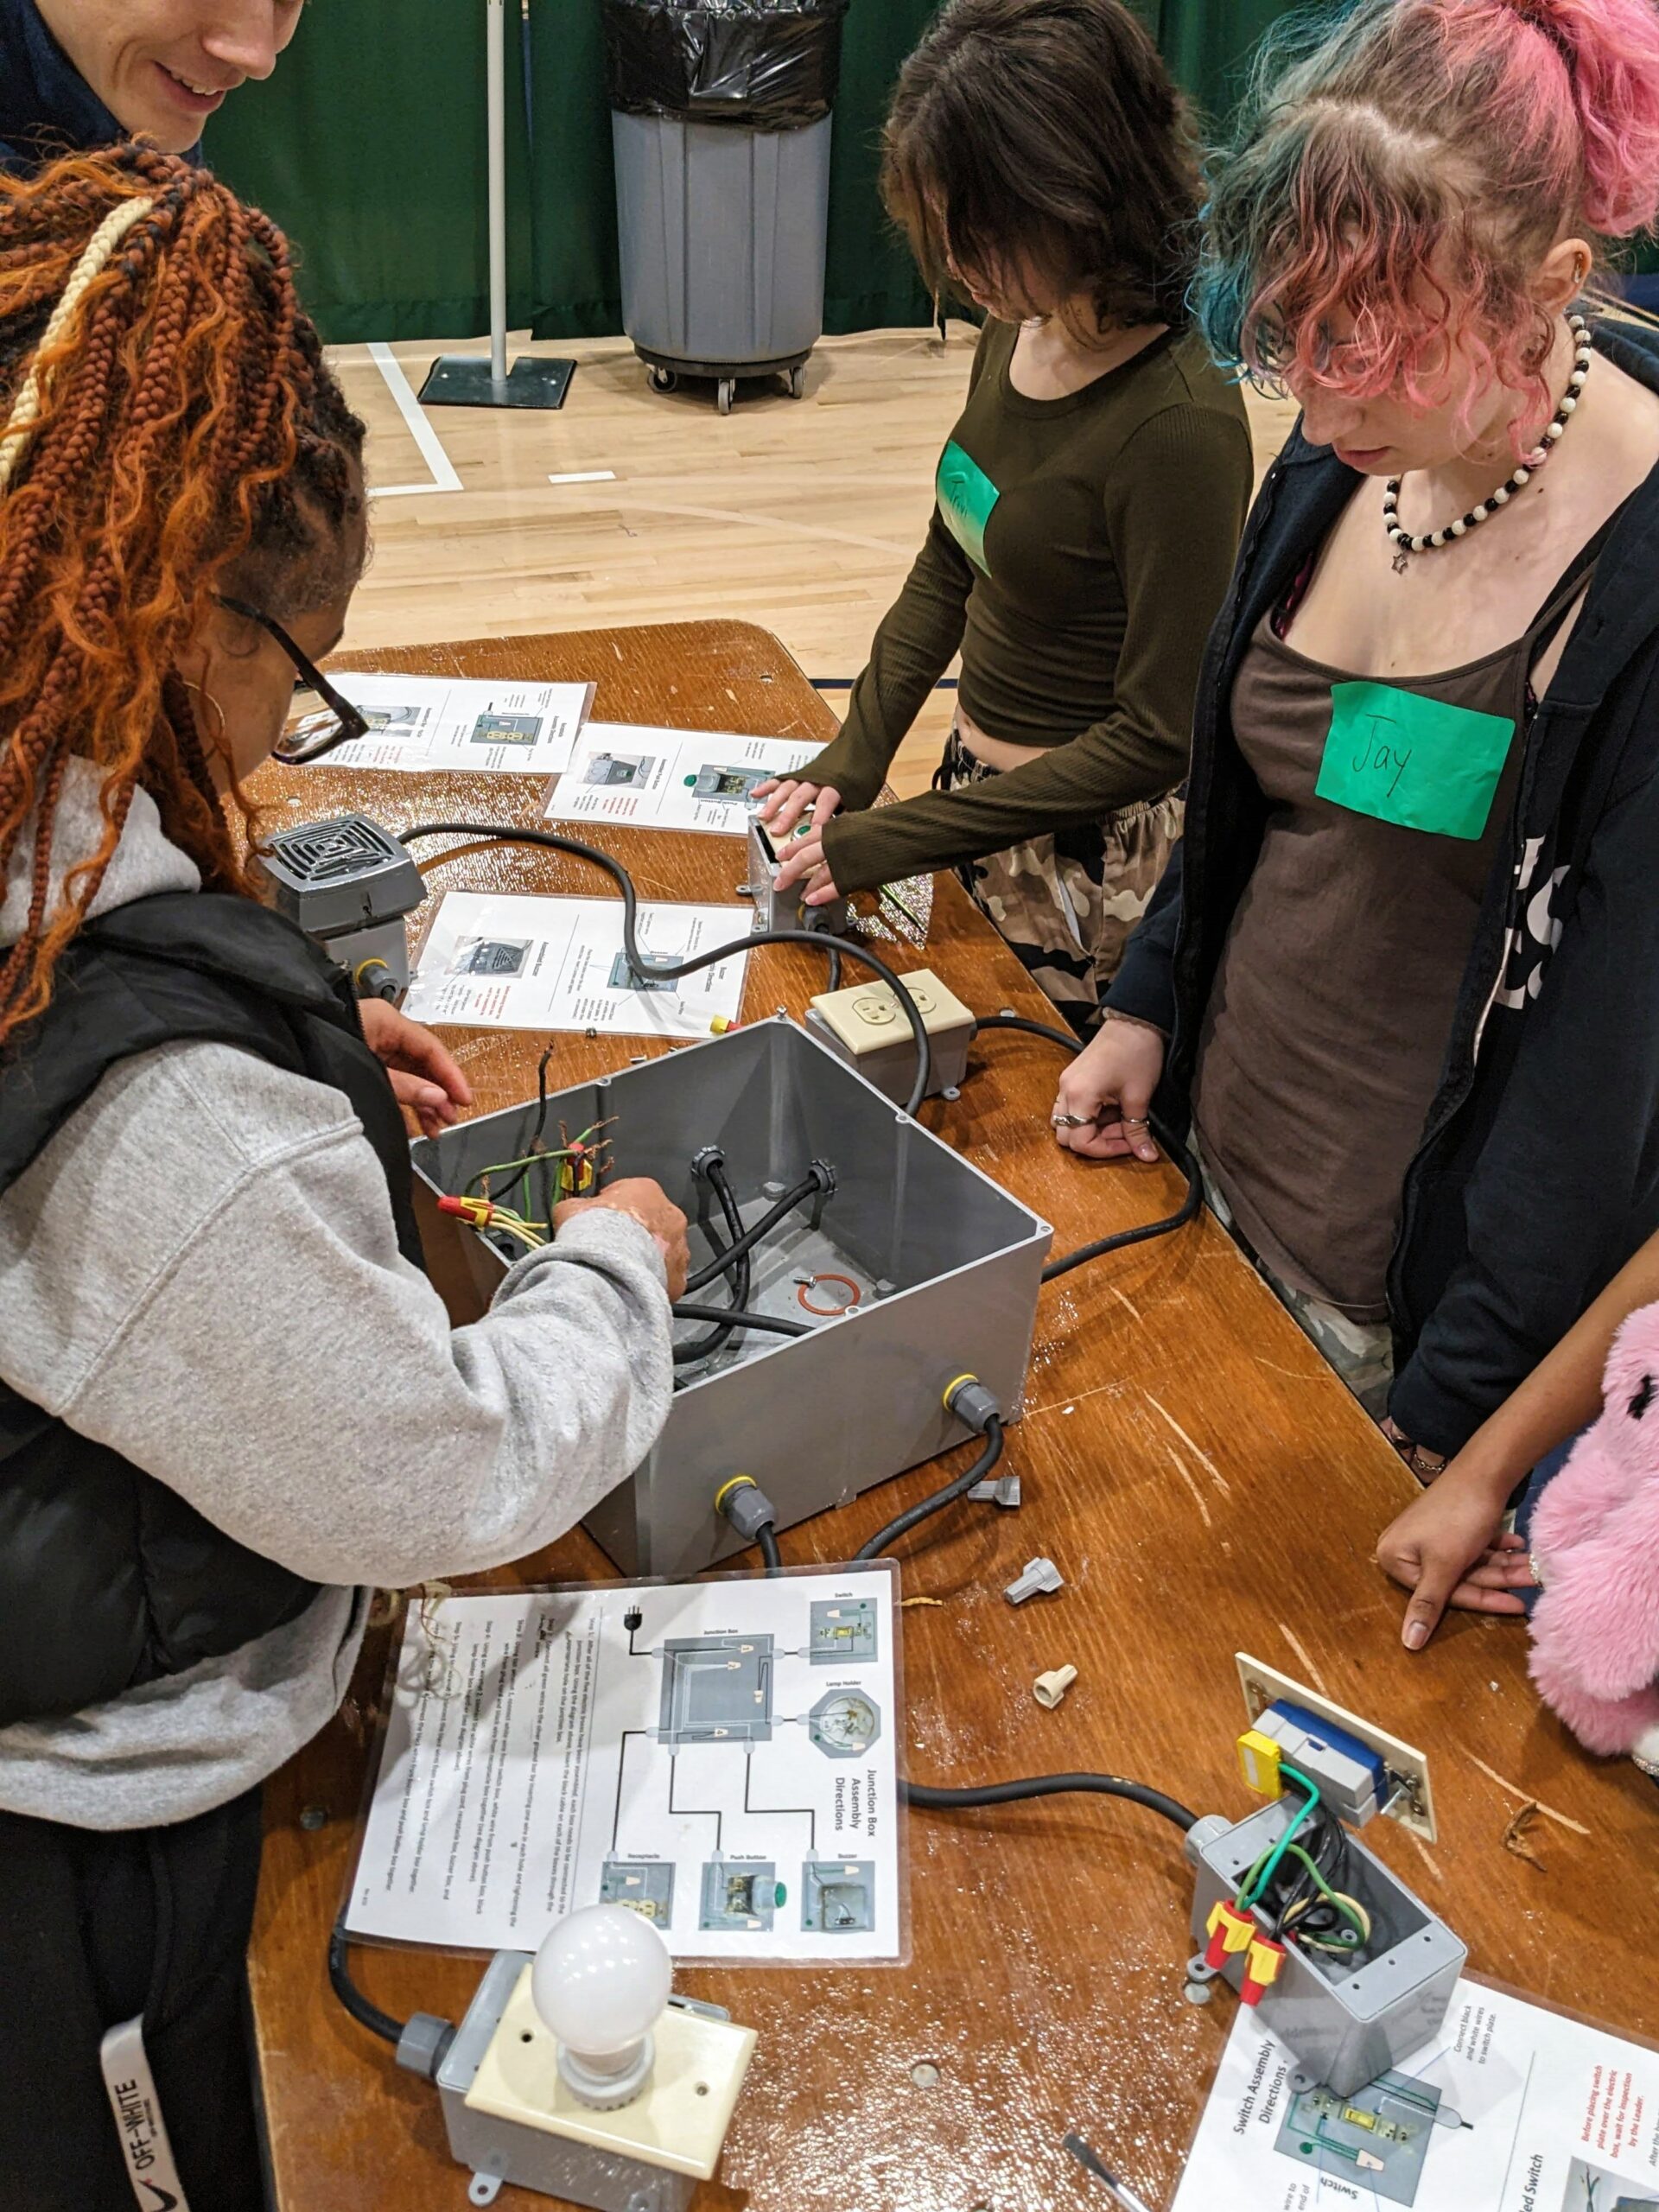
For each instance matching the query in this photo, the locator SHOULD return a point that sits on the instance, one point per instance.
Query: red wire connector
(479, 1212)
(1231, 1932)
(1266, 1959)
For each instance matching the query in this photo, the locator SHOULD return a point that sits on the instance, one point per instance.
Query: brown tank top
(1326, 1030)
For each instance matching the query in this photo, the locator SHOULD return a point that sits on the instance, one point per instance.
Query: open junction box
(914, 1269)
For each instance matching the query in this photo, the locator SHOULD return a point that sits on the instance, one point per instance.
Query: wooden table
(1204, 1485)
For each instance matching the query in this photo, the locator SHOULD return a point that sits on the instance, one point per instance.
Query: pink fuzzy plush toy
(1595, 1542)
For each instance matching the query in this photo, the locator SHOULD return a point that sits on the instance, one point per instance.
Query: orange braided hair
(185, 438)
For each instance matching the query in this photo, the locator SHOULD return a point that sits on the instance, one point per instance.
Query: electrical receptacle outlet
(1413, 1803)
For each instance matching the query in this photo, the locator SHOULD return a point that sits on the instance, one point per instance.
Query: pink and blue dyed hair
(1399, 168)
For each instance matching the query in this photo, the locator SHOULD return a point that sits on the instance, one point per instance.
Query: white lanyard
(146, 2152)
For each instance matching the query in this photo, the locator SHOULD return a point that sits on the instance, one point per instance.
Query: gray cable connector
(1039, 1574)
(747, 1506)
(425, 2044)
(971, 1402)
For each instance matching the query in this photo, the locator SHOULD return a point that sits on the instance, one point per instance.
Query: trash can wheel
(725, 393)
(663, 380)
(796, 379)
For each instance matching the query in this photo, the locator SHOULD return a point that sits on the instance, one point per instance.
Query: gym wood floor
(801, 515)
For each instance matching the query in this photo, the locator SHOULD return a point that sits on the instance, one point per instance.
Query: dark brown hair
(1051, 131)
(186, 438)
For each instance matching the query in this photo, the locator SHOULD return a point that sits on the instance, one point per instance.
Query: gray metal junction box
(936, 1271)
(1347, 2024)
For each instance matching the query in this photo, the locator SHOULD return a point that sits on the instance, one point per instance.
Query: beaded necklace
(1405, 544)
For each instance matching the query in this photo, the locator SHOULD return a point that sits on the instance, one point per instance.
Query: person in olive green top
(1089, 501)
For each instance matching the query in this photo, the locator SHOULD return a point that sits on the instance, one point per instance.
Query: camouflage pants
(1068, 905)
(1362, 1352)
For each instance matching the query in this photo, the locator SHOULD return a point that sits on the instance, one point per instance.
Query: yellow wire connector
(1259, 1760)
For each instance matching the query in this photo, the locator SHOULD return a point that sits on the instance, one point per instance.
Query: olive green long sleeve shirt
(1079, 551)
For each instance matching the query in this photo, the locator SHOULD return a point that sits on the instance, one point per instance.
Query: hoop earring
(202, 692)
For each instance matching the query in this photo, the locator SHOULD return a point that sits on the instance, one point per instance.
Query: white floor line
(444, 478)
(585, 476)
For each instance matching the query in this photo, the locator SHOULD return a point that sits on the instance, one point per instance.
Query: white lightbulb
(600, 1982)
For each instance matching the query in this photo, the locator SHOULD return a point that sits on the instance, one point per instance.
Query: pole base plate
(464, 380)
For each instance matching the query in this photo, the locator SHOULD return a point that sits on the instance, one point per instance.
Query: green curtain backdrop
(1208, 42)
(368, 147)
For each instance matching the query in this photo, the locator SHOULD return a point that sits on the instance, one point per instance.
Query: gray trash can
(721, 126)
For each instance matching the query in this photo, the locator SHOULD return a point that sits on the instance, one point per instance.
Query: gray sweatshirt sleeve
(200, 1271)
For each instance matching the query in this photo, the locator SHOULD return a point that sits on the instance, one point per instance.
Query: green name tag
(1418, 762)
(966, 496)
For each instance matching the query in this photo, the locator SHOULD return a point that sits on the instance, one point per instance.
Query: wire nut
(1048, 1689)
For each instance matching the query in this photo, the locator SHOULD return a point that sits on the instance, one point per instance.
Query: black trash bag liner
(768, 65)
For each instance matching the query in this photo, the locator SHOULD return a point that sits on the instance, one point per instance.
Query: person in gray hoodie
(229, 1400)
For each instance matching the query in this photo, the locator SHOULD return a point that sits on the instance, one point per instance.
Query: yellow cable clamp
(737, 1482)
(954, 1385)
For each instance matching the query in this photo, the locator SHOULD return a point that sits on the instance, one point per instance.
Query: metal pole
(496, 67)
(467, 379)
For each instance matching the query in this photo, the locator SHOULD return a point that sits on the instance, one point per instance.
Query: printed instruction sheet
(1509, 2109)
(671, 778)
(717, 1755)
(499, 961)
(423, 722)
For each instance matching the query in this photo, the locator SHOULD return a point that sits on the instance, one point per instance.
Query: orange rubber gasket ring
(829, 1313)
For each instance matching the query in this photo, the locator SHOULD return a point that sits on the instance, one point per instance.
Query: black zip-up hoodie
(1538, 1172)
(47, 107)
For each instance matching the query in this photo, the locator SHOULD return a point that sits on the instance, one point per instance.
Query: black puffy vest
(107, 1578)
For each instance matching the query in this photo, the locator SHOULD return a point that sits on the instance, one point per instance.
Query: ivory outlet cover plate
(1263, 1685)
(679, 2123)
(866, 1017)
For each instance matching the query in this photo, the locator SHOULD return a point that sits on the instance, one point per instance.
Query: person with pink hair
(1399, 980)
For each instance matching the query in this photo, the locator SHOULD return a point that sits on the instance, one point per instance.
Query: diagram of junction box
(716, 1689)
(720, 1692)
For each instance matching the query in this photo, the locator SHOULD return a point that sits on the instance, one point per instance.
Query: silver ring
(1069, 1122)
(1136, 1120)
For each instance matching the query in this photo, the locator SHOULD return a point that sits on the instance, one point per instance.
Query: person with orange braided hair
(229, 1400)
(78, 74)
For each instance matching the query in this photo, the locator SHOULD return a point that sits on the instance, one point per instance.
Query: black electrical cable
(1063, 1037)
(766, 1536)
(1184, 1212)
(704, 1347)
(1049, 1786)
(339, 1975)
(820, 929)
(810, 1186)
(664, 971)
(928, 1506)
(1178, 1151)
(771, 1322)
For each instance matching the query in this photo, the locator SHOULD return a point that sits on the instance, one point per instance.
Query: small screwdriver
(1091, 2163)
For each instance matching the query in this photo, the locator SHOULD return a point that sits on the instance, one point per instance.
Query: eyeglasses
(321, 717)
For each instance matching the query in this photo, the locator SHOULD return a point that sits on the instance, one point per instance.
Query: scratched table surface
(1203, 1484)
